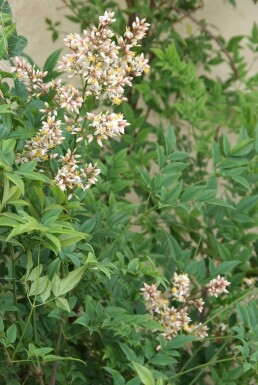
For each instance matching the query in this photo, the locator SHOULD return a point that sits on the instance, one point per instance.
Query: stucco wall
(30, 20)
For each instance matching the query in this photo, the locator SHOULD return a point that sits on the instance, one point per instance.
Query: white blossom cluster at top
(106, 64)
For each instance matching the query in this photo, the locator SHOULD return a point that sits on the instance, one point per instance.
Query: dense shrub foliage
(128, 221)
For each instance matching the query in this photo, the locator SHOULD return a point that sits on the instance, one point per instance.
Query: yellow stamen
(117, 101)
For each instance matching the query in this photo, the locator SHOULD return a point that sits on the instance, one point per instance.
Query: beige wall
(30, 18)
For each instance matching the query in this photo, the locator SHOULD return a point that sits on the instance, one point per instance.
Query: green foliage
(174, 195)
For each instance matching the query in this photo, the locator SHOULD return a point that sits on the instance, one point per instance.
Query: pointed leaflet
(73, 278)
(144, 374)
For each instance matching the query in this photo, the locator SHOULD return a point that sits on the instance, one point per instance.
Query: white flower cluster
(181, 291)
(177, 320)
(70, 99)
(31, 77)
(181, 287)
(106, 65)
(217, 286)
(106, 126)
(48, 137)
(70, 175)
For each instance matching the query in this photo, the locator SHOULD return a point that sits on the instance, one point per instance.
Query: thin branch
(211, 363)
(55, 366)
(205, 29)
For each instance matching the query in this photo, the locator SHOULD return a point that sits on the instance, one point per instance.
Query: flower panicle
(71, 175)
(176, 320)
(106, 125)
(106, 65)
(32, 78)
(217, 286)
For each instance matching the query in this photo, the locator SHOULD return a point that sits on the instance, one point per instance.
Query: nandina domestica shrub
(123, 260)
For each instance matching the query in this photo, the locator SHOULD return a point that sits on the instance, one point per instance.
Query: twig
(204, 28)
(38, 372)
(55, 366)
(201, 366)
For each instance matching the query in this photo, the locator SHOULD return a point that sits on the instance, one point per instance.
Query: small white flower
(200, 330)
(217, 286)
(106, 126)
(181, 283)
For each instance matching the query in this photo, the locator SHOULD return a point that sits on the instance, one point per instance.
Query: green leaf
(144, 374)
(118, 379)
(29, 227)
(10, 193)
(144, 89)
(46, 293)
(226, 146)
(145, 176)
(56, 245)
(17, 180)
(174, 192)
(62, 303)
(6, 33)
(161, 156)
(134, 381)
(256, 139)
(3, 47)
(128, 112)
(34, 176)
(72, 18)
(170, 140)
(18, 202)
(178, 155)
(163, 360)
(13, 242)
(129, 353)
(215, 152)
(8, 222)
(55, 285)
(171, 55)
(82, 320)
(39, 286)
(6, 108)
(180, 341)
(225, 267)
(27, 167)
(5, 74)
(242, 181)
(21, 135)
(52, 60)
(73, 278)
(243, 148)
(219, 202)
(35, 273)
(42, 351)
(153, 325)
(159, 53)
(11, 334)
(5, 17)
(17, 43)
(191, 193)
(233, 374)
(243, 314)
(69, 239)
